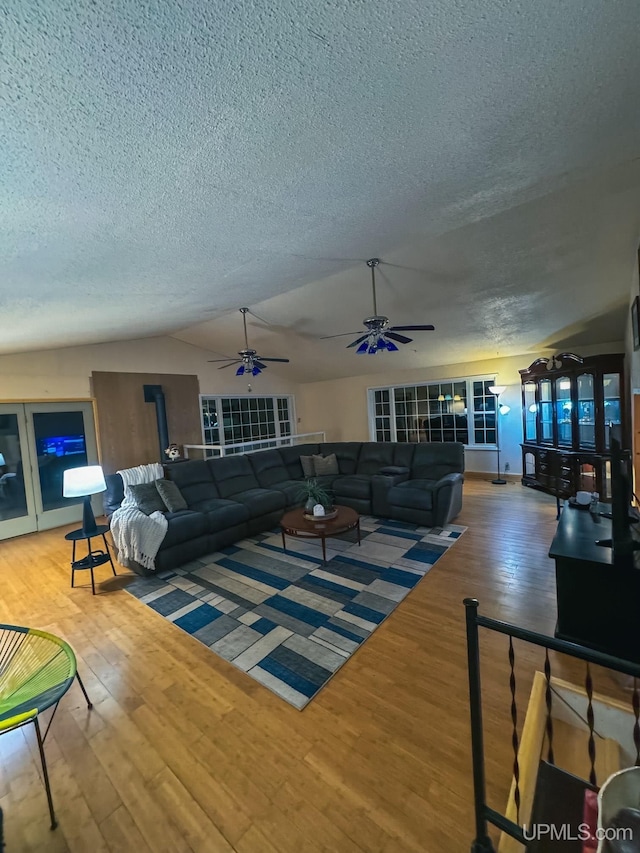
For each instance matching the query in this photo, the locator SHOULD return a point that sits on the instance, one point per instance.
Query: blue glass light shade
(240, 370)
(391, 346)
(256, 370)
(364, 346)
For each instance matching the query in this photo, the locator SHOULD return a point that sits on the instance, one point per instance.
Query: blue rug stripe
(429, 557)
(291, 678)
(263, 625)
(364, 613)
(305, 668)
(399, 532)
(255, 574)
(198, 618)
(348, 635)
(323, 583)
(298, 611)
(400, 578)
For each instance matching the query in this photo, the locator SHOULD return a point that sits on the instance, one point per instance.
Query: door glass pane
(530, 411)
(13, 501)
(563, 411)
(60, 444)
(586, 411)
(546, 411)
(611, 383)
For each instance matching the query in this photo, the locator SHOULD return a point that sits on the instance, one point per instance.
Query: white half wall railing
(212, 450)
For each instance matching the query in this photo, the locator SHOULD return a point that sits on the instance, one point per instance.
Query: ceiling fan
(249, 361)
(380, 335)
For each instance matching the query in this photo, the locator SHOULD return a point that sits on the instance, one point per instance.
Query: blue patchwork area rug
(283, 617)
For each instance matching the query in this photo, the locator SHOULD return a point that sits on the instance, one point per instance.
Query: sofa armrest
(447, 498)
(380, 485)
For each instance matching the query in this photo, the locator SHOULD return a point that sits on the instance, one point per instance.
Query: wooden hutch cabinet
(570, 406)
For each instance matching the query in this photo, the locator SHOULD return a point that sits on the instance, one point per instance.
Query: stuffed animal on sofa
(173, 452)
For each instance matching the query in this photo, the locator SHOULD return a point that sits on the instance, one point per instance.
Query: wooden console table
(598, 603)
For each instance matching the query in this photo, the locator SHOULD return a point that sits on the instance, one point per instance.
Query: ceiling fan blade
(341, 335)
(257, 363)
(402, 339)
(358, 341)
(212, 360)
(235, 361)
(411, 328)
(284, 360)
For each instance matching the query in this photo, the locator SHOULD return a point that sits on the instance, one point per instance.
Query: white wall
(66, 373)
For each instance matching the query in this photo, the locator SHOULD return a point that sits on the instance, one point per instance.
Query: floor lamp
(82, 483)
(500, 410)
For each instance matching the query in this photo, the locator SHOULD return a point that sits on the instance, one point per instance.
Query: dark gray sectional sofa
(235, 496)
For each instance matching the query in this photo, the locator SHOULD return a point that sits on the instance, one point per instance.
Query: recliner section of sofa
(241, 495)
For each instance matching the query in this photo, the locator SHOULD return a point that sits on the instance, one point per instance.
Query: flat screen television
(61, 445)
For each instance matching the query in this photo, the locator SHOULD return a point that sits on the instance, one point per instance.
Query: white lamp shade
(79, 482)
(2, 462)
(497, 389)
(504, 409)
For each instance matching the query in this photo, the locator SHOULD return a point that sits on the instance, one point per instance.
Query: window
(233, 420)
(457, 410)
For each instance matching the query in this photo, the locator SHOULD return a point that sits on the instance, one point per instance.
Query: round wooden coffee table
(293, 523)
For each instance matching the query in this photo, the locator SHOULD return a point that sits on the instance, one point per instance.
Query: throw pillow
(307, 466)
(147, 498)
(171, 495)
(325, 465)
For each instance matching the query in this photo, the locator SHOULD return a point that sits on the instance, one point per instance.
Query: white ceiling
(164, 163)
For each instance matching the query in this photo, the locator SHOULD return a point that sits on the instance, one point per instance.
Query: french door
(38, 441)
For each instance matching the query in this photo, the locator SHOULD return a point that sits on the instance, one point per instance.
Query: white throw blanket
(138, 536)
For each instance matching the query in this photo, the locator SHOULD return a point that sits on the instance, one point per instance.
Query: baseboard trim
(485, 475)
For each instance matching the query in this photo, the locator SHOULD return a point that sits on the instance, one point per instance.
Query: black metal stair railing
(484, 814)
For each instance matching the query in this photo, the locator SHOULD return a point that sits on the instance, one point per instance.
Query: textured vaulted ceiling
(163, 163)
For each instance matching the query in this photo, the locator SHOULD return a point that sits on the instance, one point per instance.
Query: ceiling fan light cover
(240, 370)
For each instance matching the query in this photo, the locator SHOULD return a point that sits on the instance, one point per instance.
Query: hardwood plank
(183, 750)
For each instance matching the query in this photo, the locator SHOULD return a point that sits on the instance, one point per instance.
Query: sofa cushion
(147, 498)
(373, 456)
(347, 453)
(323, 465)
(308, 468)
(403, 454)
(357, 486)
(171, 495)
(194, 480)
(184, 526)
(291, 458)
(269, 468)
(291, 489)
(221, 513)
(261, 501)
(415, 494)
(233, 474)
(432, 460)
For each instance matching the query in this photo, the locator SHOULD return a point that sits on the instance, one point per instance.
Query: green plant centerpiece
(312, 493)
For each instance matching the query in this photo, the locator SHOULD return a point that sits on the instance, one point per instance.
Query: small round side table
(95, 557)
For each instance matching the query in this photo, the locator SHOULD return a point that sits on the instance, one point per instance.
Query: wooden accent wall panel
(127, 426)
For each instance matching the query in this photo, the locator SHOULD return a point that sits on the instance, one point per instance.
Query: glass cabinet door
(530, 411)
(612, 419)
(546, 412)
(586, 411)
(563, 411)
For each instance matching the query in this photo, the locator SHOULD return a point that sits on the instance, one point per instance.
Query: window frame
(280, 425)
(471, 444)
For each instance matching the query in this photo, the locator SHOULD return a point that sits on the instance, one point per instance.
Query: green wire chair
(36, 670)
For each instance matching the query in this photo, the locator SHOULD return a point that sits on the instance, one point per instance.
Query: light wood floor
(182, 752)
